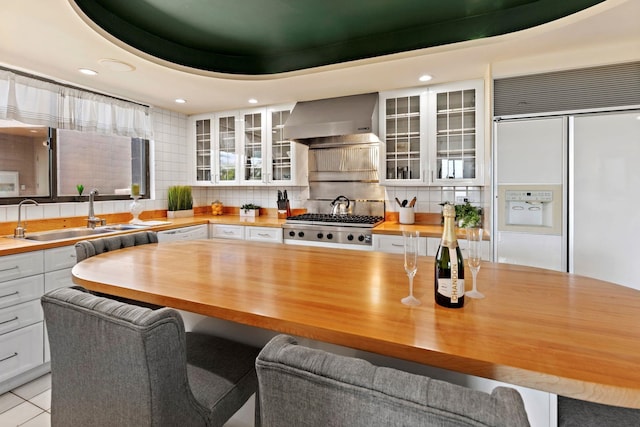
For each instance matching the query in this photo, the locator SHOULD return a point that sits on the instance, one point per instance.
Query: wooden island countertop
(550, 331)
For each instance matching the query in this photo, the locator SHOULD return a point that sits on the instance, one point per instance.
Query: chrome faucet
(18, 233)
(93, 220)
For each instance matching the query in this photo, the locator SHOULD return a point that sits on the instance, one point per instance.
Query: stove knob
(300, 233)
(329, 236)
(361, 238)
(292, 233)
(320, 235)
(350, 237)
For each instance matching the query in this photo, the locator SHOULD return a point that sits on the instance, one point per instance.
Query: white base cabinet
(21, 319)
(394, 244)
(184, 233)
(223, 231)
(263, 234)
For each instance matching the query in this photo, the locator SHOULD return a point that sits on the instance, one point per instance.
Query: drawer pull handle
(397, 245)
(263, 235)
(9, 321)
(15, 267)
(227, 231)
(9, 295)
(9, 357)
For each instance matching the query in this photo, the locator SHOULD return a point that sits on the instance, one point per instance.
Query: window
(48, 164)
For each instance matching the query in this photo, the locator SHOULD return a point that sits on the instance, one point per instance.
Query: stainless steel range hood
(334, 121)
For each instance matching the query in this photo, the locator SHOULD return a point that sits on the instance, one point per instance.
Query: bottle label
(452, 288)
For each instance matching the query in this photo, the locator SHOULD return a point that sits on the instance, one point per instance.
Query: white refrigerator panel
(533, 250)
(604, 198)
(531, 151)
(531, 154)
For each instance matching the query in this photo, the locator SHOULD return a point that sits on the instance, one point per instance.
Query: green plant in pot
(468, 216)
(179, 201)
(249, 209)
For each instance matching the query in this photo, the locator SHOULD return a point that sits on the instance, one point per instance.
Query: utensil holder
(406, 215)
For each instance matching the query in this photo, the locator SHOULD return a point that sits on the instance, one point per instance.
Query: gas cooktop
(343, 220)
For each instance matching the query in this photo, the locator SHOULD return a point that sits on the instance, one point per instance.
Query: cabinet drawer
(21, 290)
(184, 233)
(20, 315)
(57, 279)
(59, 258)
(221, 231)
(21, 265)
(395, 244)
(264, 234)
(21, 350)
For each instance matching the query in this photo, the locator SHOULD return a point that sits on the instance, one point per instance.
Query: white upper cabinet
(288, 160)
(201, 146)
(403, 129)
(253, 143)
(432, 135)
(246, 148)
(456, 133)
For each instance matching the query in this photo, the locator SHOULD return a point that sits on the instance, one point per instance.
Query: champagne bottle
(449, 268)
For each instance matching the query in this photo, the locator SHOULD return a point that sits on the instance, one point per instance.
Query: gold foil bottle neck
(449, 233)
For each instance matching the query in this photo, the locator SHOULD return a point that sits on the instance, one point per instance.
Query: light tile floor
(27, 405)
(30, 406)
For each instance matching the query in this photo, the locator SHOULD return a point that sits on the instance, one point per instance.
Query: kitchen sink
(123, 227)
(47, 236)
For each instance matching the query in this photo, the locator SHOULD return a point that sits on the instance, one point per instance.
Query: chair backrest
(89, 248)
(115, 364)
(303, 386)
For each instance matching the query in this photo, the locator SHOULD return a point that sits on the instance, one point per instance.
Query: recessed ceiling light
(115, 65)
(253, 101)
(181, 101)
(425, 78)
(88, 72)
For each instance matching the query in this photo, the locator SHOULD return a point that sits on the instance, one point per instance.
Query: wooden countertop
(542, 329)
(9, 246)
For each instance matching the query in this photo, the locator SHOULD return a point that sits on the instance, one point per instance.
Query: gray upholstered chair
(299, 386)
(89, 248)
(578, 413)
(115, 364)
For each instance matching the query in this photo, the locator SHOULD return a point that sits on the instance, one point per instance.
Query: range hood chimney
(334, 121)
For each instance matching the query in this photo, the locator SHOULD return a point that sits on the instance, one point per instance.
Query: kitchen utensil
(412, 203)
(340, 206)
(404, 203)
(398, 202)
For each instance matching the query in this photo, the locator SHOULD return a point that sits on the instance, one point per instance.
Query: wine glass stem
(474, 273)
(410, 284)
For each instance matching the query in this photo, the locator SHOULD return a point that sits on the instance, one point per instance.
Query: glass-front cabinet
(403, 130)
(204, 143)
(246, 148)
(456, 133)
(225, 160)
(253, 147)
(432, 135)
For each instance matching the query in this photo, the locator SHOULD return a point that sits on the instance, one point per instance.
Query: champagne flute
(411, 239)
(474, 242)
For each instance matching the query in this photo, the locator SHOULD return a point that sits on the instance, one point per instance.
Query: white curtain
(42, 103)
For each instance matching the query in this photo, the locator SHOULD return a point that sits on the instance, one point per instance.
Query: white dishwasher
(184, 233)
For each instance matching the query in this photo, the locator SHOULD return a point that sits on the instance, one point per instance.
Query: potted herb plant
(250, 210)
(468, 216)
(179, 201)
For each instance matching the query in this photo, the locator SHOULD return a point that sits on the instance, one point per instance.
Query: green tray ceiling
(257, 37)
